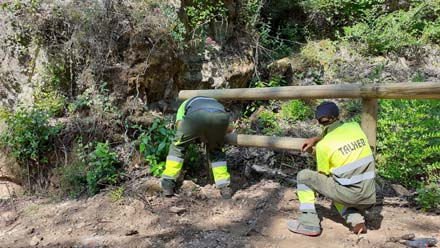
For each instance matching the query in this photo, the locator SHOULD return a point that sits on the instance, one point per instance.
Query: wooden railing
(369, 93)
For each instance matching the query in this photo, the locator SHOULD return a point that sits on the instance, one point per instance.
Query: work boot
(360, 228)
(296, 227)
(226, 192)
(167, 186)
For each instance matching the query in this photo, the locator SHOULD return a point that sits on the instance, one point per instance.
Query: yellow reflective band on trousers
(172, 168)
(306, 196)
(221, 175)
(341, 208)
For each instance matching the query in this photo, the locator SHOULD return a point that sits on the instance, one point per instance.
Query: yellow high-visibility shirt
(342, 144)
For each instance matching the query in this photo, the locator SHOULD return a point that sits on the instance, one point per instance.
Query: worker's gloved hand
(421, 242)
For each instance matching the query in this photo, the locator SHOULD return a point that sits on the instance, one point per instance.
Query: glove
(421, 242)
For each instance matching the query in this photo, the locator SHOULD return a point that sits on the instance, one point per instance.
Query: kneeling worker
(205, 119)
(345, 173)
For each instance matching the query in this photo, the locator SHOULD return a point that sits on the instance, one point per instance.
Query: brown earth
(197, 217)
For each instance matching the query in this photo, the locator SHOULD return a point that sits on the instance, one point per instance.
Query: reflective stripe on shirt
(356, 179)
(353, 165)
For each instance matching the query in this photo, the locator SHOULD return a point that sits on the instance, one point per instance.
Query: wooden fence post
(369, 120)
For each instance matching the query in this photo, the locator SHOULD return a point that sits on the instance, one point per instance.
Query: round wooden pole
(427, 90)
(284, 143)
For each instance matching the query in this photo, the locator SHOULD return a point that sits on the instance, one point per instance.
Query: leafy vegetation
(268, 122)
(117, 195)
(28, 137)
(95, 98)
(202, 12)
(402, 28)
(154, 145)
(48, 94)
(102, 168)
(296, 110)
(340, 13)
(28, 134)
(428, 196)
(409, 141)
(95, 166)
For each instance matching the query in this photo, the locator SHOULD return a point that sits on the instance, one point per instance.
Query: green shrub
(82, 101)
(95, 98)
(340, 13)
(175, 25)
(249, 13)
(418, 77)
(117, 195)
(51, 102)
(154, 145)
(268, 123)
(50, 93)
(28, 135)
(102, 168)
(319, 53)
(399, 29)
(428, 197)
(93, 167)
(270, 25)
(202, 13)
(296, 110)
(408, 143)
(276, 44)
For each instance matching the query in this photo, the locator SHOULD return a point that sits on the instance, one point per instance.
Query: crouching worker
(345, 174)
(204, 119)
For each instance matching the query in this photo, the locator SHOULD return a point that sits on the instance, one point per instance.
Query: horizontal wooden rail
(427, 90)
(284, 143)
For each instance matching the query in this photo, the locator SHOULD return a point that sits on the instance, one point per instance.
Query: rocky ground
(197, 217)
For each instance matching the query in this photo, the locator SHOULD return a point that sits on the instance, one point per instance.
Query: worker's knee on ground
(305, 176)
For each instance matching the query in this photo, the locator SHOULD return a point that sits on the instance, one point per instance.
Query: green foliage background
(409, 141)
(154, 145)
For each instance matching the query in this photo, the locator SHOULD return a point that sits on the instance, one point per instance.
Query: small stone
(177, 210)
(35, 241)
(30, 231)
(400, 190)
(8, 218)
(131, 232)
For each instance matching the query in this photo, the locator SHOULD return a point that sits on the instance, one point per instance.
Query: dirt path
(197, 217)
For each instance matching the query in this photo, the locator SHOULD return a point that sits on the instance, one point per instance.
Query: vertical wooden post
(369, 120)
